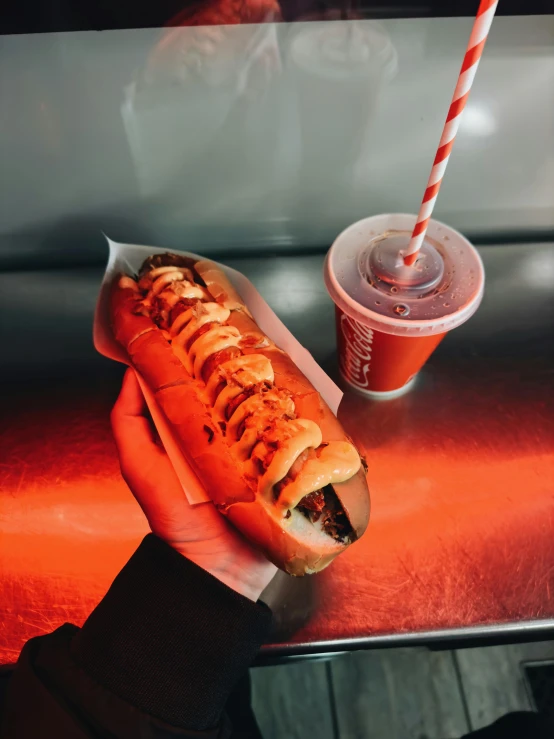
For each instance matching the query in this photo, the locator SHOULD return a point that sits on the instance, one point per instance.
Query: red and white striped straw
(477, 40)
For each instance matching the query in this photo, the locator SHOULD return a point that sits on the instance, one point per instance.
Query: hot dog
(269, 451)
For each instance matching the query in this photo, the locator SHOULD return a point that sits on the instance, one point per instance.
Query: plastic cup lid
(435, 302)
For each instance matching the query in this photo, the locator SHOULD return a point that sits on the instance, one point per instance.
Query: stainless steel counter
(461, 470)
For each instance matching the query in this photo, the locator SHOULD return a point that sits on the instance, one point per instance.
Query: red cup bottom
(378, 362)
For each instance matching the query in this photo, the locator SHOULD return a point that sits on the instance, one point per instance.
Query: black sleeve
(158, 657)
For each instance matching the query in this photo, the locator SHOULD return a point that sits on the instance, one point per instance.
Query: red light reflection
(461, 528)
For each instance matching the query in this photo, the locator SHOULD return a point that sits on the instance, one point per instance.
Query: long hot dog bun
(295, 535)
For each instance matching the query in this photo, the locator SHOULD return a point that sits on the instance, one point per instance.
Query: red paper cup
(376, 362)
(380, 352)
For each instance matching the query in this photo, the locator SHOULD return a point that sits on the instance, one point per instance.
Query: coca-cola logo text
(356, 355)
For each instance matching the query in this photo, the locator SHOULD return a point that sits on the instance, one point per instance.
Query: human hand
(198, 532)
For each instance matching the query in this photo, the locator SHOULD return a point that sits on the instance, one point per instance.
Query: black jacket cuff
(171, 639)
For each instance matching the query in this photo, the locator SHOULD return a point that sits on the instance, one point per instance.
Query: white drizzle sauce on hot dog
(163, 280)
(308, 436)
(336, 462)
(214, 340)
(244, 446)
(195, 318)
(242, 372)
(261, 403)
(166, 270)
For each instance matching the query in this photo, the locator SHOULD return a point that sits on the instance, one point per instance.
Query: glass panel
(272, 135)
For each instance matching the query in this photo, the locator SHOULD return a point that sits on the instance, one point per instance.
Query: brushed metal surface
(461, 470)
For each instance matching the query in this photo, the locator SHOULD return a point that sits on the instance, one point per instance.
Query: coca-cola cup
(390, 317)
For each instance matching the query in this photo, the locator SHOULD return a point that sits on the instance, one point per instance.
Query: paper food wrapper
(129, 258)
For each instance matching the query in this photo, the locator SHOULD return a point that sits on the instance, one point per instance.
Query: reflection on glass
(338, 70)
(230, 107)
(222, 39)
(478, 120)
(196, 115)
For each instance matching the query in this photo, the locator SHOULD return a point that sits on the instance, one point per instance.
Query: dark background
(36, 16)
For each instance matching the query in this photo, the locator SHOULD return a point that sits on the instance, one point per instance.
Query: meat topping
(313, 502)
(261, 388)
(159, 313)
(218, 358)
(324, 507)
(165, 260)
(254, 341)
(181, 307)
